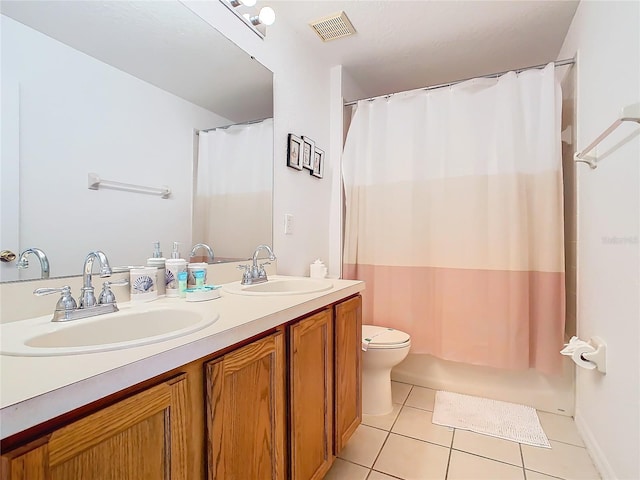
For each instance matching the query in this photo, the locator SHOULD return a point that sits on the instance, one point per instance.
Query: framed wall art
(318, 163)
(308, 147)
(294, 152)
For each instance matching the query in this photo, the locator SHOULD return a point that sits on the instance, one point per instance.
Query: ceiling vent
(333, 27)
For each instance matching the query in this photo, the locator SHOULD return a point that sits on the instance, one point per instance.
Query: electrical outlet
(288, 224)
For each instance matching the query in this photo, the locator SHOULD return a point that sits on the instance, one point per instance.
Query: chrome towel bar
(95, 182)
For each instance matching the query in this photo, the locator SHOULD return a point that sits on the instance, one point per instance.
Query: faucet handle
(246, 276)
(261, 272)
(117, 283)
(66, 303)
(107, 296)
(66, 290)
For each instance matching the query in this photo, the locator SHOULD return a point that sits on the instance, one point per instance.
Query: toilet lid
(383, 336)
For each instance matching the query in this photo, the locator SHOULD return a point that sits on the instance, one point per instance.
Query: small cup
(173, 268)
(191, 279)
(142, 283)
(161, 284)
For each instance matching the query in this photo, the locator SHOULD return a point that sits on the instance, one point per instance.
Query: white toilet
(385, 348)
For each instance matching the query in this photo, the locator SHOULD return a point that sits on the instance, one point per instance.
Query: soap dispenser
(158, 261)
(174, 266)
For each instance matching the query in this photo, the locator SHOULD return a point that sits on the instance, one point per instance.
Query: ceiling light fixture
(247, 11)
(246, 3)
(266, 16)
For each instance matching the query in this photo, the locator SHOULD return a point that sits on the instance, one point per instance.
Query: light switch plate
(288, 224)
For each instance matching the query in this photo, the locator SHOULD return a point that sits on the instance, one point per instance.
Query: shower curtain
(234, 178)
(454, 218)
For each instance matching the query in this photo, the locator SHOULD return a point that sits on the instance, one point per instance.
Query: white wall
(302, 95)
(607, 38)
(67, 101)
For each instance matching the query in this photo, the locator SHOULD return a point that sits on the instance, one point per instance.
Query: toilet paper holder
(590, 355)
(599, 357)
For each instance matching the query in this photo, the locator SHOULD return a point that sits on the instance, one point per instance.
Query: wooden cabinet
(348, 370)
(141, 437)
(222, 419)
(311, 396)
(325, 387)
(246, 412)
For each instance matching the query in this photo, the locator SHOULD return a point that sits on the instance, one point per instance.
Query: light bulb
(267, 15)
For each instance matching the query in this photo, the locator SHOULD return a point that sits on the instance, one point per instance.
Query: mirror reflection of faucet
(197, 246)
(23, 262)
(255, 273)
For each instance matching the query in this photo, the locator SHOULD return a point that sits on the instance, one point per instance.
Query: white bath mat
(509, 421)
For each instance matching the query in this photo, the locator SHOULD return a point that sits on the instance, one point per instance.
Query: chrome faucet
(67, 308)
(206, 247)
(23, 262)
(256, 273)
(87, 297)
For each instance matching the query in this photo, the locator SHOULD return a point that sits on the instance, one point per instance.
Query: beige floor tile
(562, 460)
(531, 475)
(378, 476)
(400, 391)
(416, 423)
(560, 428)
(385, 422)
(421, 397)
(464, 466)
(412, 459)
(364, 445)
(343, 470)
(486, 446)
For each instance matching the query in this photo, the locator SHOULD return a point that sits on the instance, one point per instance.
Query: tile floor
(406, 445)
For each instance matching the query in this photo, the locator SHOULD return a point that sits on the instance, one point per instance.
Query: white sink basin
(132, 326)
(280, 286)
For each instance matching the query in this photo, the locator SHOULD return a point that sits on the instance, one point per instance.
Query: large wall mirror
(143, 93)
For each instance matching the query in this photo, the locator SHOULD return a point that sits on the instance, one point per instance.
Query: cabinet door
(245, 412)
(141, 437)
(348, 370)
(311, 402)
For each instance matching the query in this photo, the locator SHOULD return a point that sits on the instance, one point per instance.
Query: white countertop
(36, 389)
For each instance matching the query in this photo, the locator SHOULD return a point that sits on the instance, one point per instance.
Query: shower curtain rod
(558, 63)
(233, 125)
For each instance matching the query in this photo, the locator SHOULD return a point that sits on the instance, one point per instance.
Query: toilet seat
(376, 337)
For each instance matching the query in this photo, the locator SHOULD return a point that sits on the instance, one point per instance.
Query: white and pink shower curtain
(454, 218)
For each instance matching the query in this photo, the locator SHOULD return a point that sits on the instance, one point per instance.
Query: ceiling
(399, 45)
(402, 45)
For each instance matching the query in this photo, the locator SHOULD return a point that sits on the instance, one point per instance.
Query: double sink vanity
(263, 382)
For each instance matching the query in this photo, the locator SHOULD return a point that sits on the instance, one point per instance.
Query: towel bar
(630, 113)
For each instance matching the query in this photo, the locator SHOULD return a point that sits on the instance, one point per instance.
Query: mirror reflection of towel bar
(96, 182)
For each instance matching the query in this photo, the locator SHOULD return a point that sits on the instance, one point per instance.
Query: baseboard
(593, 448)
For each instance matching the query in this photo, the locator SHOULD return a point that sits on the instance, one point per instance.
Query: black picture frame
(308, 147)
(318, 163)
(294, 152)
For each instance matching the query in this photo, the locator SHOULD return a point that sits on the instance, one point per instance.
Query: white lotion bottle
(173, 266)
